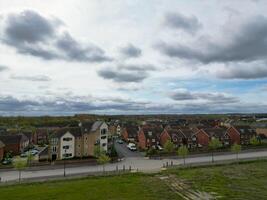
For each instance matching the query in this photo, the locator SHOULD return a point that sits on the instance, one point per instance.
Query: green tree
(29, 159)
(169, 146)
(183, 152)
(98, 151)
(213, 145)
(236, 148)
(19, 165)
(254, 141)
(103, 159)
(113, 152)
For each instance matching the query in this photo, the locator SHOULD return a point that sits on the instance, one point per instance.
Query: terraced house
(241, 134)
(204, 136)
(70, 142)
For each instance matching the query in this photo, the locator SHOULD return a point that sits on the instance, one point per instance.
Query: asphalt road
(136, 163)
(123, 151)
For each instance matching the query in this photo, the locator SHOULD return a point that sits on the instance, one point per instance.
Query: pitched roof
(96, 125)
(188, 133)
(12, 139)
(215, 132)
(132, 131)
(175, 134)
(75, 131)
(245, 130)
(152, 132)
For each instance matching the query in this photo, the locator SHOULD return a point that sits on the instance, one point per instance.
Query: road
(136, 163)
(123, 151)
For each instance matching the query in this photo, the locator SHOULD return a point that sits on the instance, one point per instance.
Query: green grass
(243, 181)
(125, 187)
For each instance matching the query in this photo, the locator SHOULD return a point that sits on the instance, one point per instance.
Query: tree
(113, 152)
(169, 146)
(102, 160)
(29, 158)
(213, 145)
(98, 151)
(254, 141)
(236, 148)
(19, 165)
(183, 152)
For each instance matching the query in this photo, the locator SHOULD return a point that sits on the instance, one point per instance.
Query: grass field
(130, 187)
(243, 181)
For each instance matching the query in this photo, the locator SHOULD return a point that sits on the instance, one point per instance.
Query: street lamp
(65, 151)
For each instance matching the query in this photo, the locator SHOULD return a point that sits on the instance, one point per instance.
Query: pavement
(138, 163)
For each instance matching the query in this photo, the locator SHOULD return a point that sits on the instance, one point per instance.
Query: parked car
(132, 146)
(34, 152)
(24, 155)
(7, 161)
(159, 148)
(119, 141)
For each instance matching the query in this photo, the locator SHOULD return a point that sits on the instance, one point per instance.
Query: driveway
(123, 151)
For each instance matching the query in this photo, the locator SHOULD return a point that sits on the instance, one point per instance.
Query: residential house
(14, 143)
(2, 146)
(66, 143)
(191, 138)
(204, 136)
(130, 133)
(149, 137)
(80, 141)
(241, 134)
(174, 135)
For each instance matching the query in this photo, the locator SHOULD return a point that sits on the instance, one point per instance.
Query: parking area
(123, 151)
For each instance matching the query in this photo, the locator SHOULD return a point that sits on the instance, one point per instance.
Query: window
(104, 144)
(103, 137)
(103, 131)
(66, 147)
(54, 149)
(67, 155)
(67, 139)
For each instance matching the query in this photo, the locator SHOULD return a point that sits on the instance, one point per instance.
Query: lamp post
(65, 151)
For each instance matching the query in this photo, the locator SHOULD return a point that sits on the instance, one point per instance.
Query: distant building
(14, 143)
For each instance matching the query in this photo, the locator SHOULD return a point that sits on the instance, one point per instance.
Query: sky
(132, 57)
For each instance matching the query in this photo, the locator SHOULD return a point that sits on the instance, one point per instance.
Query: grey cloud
(246, 44)
(3, 68)
(126, 73)
(28, 27)
(243, 71)
(131, 51)
(132, 67)
(33, 34)
(41, 78)
(122, 76)
(178, 21)
(216, 98)
(62, 106)
(75, 51)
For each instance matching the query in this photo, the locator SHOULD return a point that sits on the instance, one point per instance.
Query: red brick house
(130, 133)
(14, 143)
(174, 135)
(241, 134)
(2, 146)
(191, 138)
(149, 137)
(204, 136)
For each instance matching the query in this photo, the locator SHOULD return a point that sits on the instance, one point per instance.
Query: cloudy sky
(132, 56)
